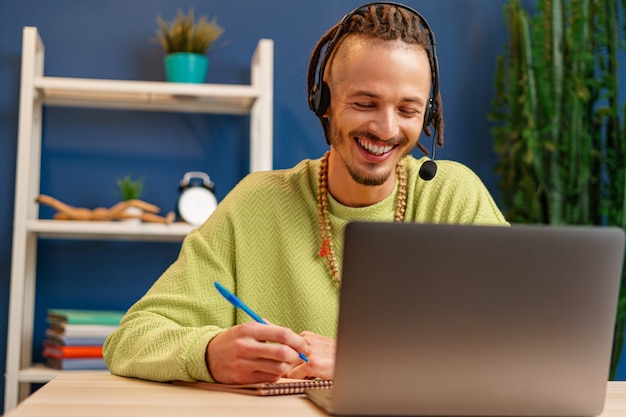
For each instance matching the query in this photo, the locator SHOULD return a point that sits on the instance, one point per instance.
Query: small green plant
(185, 34)
(129, 189)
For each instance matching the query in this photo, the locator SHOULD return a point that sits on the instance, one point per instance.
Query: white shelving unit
(37, 90)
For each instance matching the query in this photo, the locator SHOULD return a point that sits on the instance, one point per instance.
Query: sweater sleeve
(164, 335)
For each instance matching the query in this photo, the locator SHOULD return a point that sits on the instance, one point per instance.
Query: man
(276, 239)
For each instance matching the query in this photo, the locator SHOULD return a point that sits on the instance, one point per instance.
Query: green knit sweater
(263, 243)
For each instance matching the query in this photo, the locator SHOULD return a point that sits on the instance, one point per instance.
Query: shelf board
(38, 373)
(109, 230)
(146, 95)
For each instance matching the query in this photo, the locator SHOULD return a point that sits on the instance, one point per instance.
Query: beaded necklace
(327, 250)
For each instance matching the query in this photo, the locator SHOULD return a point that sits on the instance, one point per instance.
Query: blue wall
(84, 151)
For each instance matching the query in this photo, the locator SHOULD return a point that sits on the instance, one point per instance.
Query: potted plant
(186, 41)
(130, 189)
(560, 132)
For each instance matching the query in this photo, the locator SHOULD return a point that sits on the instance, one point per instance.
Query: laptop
(452, 320)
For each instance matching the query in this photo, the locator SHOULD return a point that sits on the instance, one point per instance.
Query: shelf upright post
(262, 112)
(27, 178)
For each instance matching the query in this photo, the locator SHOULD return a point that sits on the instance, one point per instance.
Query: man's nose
(385, 124)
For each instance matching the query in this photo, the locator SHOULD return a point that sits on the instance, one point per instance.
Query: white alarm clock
(197, 199)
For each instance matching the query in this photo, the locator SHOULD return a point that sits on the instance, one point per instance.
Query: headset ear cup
(313, 99)
(319, 99)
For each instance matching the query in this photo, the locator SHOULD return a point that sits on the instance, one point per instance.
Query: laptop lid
(475, 320)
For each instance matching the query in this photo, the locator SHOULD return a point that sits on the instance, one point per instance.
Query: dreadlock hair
(385, 22)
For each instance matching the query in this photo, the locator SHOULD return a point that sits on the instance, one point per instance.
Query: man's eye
(408, 112)
(364, 106)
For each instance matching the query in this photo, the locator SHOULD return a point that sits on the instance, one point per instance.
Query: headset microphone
(429, 168)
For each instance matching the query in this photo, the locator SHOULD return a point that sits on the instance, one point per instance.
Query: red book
(62, 352)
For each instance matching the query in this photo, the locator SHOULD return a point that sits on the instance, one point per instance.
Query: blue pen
(232, 298)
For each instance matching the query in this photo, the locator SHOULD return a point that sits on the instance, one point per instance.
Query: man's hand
(242, 355)
(321, 354)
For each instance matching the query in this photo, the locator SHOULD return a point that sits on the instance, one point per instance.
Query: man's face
(379, 91)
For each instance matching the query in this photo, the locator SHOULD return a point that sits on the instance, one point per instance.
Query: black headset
(319, 96)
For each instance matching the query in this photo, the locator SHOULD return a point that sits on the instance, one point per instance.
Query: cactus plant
(557, 130)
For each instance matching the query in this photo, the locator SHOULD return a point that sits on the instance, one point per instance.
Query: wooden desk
(98, 394)
(93, 394)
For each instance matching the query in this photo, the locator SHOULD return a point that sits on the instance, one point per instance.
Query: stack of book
(74, 338)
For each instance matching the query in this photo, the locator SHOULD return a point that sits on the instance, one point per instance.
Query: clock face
(196, 204)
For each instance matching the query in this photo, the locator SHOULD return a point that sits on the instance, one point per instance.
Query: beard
(365, 179)
(367, 176)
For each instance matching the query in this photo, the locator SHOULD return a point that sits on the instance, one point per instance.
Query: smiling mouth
(373, 147)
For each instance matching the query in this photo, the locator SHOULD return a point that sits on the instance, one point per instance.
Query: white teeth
(375, 149)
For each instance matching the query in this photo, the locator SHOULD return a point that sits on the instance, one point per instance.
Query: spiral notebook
(284, 386)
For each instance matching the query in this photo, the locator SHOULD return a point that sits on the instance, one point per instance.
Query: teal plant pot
(186, 67)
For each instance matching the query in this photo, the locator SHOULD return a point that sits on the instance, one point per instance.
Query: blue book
(73, 316)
